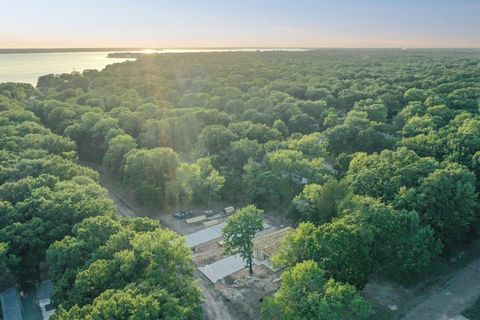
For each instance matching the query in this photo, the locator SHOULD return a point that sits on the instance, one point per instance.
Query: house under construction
(266, 246)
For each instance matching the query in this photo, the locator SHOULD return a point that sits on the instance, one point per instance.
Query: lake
(27, 67)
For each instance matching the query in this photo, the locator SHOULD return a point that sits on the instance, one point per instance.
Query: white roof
(208, 234)
(46, 314)
(222, 268)
(204, 235)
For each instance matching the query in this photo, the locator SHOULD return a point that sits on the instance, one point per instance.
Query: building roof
(222, 268)
(208, 234)
(270, 242)
(204, 235)
(11, 304)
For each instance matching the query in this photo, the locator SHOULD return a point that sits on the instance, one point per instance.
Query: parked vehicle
(182, 214)
(208, 212)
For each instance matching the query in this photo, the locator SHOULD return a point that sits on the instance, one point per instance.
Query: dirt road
(123, 208)
(450, 298)
(213, 307)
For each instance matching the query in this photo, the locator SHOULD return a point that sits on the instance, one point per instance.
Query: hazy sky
(239, 23)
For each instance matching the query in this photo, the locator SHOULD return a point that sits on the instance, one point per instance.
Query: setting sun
(148, 51)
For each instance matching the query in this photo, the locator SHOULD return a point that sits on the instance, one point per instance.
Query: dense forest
(53, 213)
(374, 155)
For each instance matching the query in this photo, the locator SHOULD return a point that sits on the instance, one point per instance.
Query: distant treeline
(127, 54)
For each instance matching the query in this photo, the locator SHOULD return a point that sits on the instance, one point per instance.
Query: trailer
(196, 219)
(211, 223)
(229, 210)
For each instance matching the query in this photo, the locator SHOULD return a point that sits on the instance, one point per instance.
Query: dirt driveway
(449, 299)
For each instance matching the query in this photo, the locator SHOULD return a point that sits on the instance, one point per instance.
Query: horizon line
(224, 48)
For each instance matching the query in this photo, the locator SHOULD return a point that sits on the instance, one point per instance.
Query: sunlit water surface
(27, 67)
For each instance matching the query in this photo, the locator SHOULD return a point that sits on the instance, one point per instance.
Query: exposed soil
(449, 299)
(244, 291)
(450, 289)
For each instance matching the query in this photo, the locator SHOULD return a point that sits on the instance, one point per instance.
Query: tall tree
(239, 232)
(118, 147)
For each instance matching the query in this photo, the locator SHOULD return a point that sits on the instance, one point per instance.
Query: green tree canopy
(306, 293)
(319, 203)
(240, 230)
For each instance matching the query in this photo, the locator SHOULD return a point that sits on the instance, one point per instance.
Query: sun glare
(148, 51)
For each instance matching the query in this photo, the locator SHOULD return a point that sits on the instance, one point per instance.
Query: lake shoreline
(27, 67)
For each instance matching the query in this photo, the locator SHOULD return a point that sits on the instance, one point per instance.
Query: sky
(239, 23)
